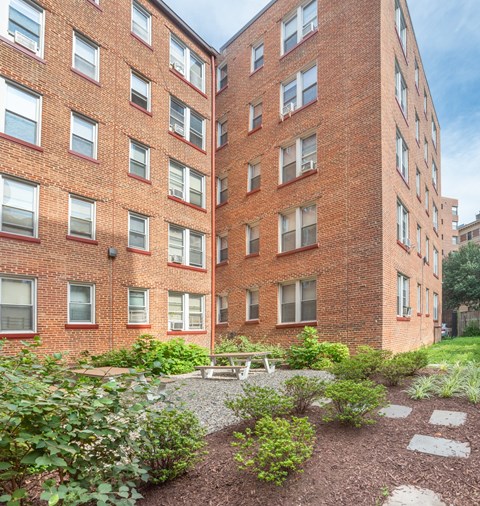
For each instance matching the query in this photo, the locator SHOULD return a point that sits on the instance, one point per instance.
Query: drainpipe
(212, 204)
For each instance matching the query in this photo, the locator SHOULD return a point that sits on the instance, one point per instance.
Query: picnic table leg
(244, 375)
(269, 368)
(208, 373)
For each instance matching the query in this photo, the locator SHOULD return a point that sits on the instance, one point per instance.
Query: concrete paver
(395, 411)
(439, 446)
(407, 495)
(449, 418)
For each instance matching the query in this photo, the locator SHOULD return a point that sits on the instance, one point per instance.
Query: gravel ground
(206, 397)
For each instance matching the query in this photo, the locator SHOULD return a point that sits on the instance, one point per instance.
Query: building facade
(328, 177)
(105, 174)
(470, 232)
(450, 234)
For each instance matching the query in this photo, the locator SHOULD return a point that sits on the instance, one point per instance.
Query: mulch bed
(350, 467)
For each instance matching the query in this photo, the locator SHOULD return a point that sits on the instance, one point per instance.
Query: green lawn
(458, 349)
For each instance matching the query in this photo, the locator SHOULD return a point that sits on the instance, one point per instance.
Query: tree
(461, 278)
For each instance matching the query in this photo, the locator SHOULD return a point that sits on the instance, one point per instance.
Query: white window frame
(427, 249)
(92, 44)
(222, 305)
(142, 78)
(186, 122)
(222, 132)
(186, 311)
(418, 183)
(220, 238)
(300, 166)
(427, 301)
(251, 168)
(92, 303)
(95, 134)
(417, 74)
(248, 237)
(401, 26)
(425, 102)
(220, 69)
(417, 127)
(186, 171)
(136, 5)
(301, 25)
(222, 189)
(147, 158)
(3, 108)
(434, 133)
(186, 246)
(93, 213)
(402, 154)
(33, 295)
(252, 116)
(403, 294)
(256, 47)
(419, 239)
(298, 79)
(419, 298)
(35, 206)
(249, 304)
(435, 261)
(298, 300)
(401, 90)
(188, 54)
(425, 149)
(427, 200)
(434, 174)
(146, 291)
(435, 217)
(403, 224)
(435, 306)
(147, 230)
(298, 227)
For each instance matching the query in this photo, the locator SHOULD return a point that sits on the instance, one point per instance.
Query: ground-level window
(253, 304)
(81, 303)
(17, 304)
(138, 305)
(186, 311)
(298, 301)
(222, 309)
(403, 296)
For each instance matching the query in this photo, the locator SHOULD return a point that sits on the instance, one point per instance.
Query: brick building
(105, 173)
(470, 232)
(449, 217)
(328, 177)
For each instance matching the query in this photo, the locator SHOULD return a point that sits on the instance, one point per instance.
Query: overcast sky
(448, 33)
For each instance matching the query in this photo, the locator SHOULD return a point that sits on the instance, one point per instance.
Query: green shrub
(172, 443)
(402, 365)
(422, 387)
(352, 402)
(258, 402)
(241, 344)
(367, 362)
(304, 391)
(322, 364)
(336, 352)
(471, 330)
(115, 358)
(275, 448)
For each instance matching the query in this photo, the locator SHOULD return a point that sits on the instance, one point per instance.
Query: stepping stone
(407, 495)
(395, 411)
(451, 418)
(439, 446)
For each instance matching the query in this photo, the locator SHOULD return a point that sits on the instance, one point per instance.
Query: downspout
(212, 204)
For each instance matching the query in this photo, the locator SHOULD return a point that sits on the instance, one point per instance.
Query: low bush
(304, 391)
(403, 365)
(471, 330)
(114, 358)
(352, 402)
(258, 402)
(241, 344)
(422, 387)
(366, 363)
(275, 448)
(322, 364)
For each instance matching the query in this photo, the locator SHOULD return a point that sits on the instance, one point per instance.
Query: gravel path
(206, 397)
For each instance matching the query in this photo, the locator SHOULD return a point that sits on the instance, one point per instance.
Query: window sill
(436, 276)
(403, 246)
(252, 322)
(427, 263)
(145, 43)
(419, 314)
(404, 114)
(251, 192)
(221, 147)
(138, 326)
(418, 142)
(84, 157)
(252, 255)
(26, 335)
(139, 178)
(419, 255)
(148, 113)
(222, 89)
(222, 324)
(427, 315)
(403, 319)
(218, 206)
(82, 239)
(256, 70)
(427, 213)
(185, 203)
(186, 267)
(91, 2)
(139, 251)
(298, 178)
(296, 325)
(250, 132)
(23, 50)
(180, 138)
(80, 326)
(298, 250)
(300, 109)
(221, 264)
(185, 332)
(87, 78)
(8, 235)
(186, 81)
(403, 178)
(307, 37)
(22, 143)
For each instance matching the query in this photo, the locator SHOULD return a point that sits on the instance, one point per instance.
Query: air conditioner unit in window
(176, 259)
(25, 41)
(175, 325)
(176, 193)
(310, 165)
(178, 129)
(308, 28)
(288, 109)
(407, 311)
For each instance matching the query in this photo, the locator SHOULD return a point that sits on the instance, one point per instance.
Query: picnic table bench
(240, 364)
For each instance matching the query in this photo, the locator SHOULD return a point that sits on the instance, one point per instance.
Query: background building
(450, 234)
(470, 232)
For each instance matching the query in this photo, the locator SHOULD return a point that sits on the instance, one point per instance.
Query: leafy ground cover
(459, 349)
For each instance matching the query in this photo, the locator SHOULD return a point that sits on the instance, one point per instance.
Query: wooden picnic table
(240, 363)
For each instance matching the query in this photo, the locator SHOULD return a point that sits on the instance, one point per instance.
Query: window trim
(419, 240)
(401, 157)
(95, 134)
(222, 188)
(186, 184)
(252, 118)
(92, 303)
(419, 298)
(186, 123)
(248, 237)
(427, 301)
(435, 261)
(94, 216)
(147, 166)
(401, 89)
(222, 126)
(147, 14)
(186, 245)
(298, 14)
(90, 42)
(403, 225)
(220, 308)
(187, 63)
(298, 227)
(298, 300)
(248, 315)
(401, 32)
(403, 295)
(147, 230)
(146, 291)
(220, 249)
(436, 306)
(250, 176)
(34, 304)
(219, 79)
(299, 171)
(434, 133)
(185, 296)
(255, 47)
(298, 78)
(149, 90)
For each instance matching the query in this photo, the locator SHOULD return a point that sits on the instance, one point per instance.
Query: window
(298, 25)
(139, 160)
(81, 221)
(19, 207)
(402, 224)
(434, 133)
(252, 304)
(222, 132)
(84, 136)
(141, 22)
(222, 77)
(425, 150)
(403, 296)
(81, 303)
(187, 123)
(17, 305)
(455, 239)
(222, 190)
(401, 25)
(257, 56)
(186, 311)
(417, 74)
(427, 250)
(434, 174)
(140, 91)
(20, 112)
(186, 247)
(298, 158)
(418, 182)
(427, 301)
(299, 91)
(400, 89)
(417, 127)
(435, 261)
(427, 200)
(222, 309)
(253, 239)
(298, 301)
(137, 231)
(256, 115)
(298, 228)
(402, 156)
(222, 249)
(186, 184)
(23, 22)
(425, 100)
(435, 217)
(187, 63)
(435, 307)
(419, 239)
(455, 210)
(419, 298)
(138, 306)
(86, 58)
(253, 176)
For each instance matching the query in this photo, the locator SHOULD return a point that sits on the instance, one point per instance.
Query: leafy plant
(422, 387)
(304, 391)
(471, 330)
(367, 362)
(240, 344)
(275, 448)
(352, 402)
(258, 402)
(322, 364)
(402, 365)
